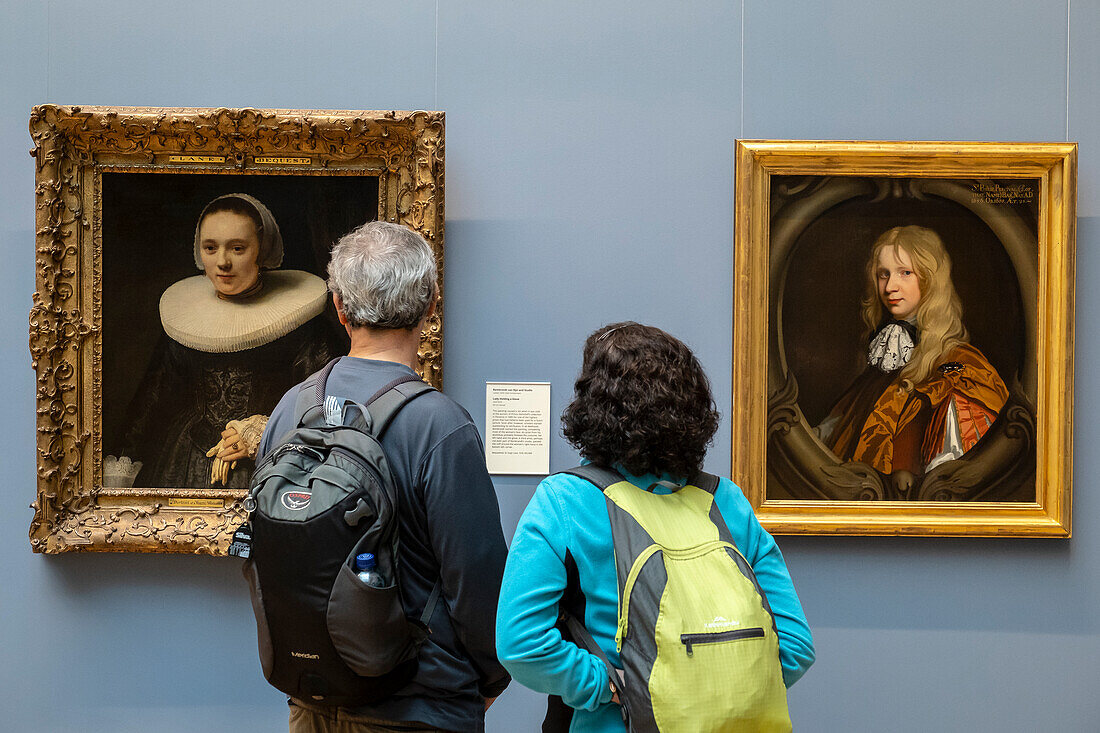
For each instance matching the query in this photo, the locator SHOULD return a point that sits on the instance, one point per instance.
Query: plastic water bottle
(367, 569)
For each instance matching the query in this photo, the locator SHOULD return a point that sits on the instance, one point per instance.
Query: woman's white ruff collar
(192, 313)
(890, 349)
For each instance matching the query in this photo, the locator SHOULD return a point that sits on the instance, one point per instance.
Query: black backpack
(322, 497)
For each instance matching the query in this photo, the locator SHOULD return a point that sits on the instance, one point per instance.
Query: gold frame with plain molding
(757, 374)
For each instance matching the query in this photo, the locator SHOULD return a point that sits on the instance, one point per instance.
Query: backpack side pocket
(367, 625)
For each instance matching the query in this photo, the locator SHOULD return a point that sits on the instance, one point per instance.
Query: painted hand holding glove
(240, 439)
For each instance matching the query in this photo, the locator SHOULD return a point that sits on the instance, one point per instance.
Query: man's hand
(489, 701)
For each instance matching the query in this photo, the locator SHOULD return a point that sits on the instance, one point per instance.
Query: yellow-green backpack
(696, 635)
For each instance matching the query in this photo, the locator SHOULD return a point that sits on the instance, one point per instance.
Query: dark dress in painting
(218, 362)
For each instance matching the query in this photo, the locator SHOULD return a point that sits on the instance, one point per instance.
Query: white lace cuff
(251, 429)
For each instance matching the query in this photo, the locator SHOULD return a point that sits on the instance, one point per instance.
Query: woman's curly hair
(641, 401)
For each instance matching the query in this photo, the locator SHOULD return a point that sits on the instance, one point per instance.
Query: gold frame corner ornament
(72, 147)
(1054, 166)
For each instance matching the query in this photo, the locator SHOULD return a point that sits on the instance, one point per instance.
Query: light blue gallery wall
(589, 166)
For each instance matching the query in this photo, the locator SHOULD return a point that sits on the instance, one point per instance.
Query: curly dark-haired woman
(643, 408)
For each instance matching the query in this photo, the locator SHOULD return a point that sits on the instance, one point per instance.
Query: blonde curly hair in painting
(939, 312)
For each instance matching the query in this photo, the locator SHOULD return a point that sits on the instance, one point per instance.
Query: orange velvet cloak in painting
(879, 423)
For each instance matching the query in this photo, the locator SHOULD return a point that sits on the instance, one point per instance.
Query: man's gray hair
(384, 274)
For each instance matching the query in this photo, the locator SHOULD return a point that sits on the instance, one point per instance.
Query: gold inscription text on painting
(990, 192)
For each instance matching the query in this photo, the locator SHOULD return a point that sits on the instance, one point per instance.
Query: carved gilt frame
(776, 451)
(73, 148)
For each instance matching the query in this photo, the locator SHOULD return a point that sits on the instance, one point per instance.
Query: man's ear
(432, 307)
(419, 327)
(339, 309)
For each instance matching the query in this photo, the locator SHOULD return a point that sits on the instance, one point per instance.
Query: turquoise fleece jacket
(569, 514)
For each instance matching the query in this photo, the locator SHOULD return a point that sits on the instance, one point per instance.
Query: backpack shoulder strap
(604, 477)
(583, 638)
(593, 474)
(382, 405)
(708, 482)
(311, 394)
(388, 401)
(571, 609)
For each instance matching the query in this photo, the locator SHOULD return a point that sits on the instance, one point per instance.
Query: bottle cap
(365, 561)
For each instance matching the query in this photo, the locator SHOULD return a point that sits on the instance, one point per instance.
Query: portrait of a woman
(236, 337)
(927, 395)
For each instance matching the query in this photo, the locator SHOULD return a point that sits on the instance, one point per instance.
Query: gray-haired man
(383, 282)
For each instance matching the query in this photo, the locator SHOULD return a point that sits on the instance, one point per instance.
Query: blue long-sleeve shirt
(449, 525)
(568, 514)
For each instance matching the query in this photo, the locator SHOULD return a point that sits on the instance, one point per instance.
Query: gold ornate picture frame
(118, 194)
(975, 437)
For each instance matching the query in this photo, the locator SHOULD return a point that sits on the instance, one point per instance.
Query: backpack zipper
(314, 453)
(250, 500)
(354, 458)
(688, 640)
(298, 448)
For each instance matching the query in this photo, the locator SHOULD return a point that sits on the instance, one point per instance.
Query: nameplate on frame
(200, 159)
(192, 502)
(282, 160)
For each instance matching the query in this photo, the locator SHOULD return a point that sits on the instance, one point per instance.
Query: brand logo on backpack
(304, 655)
(720, 622)
(296, 500)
